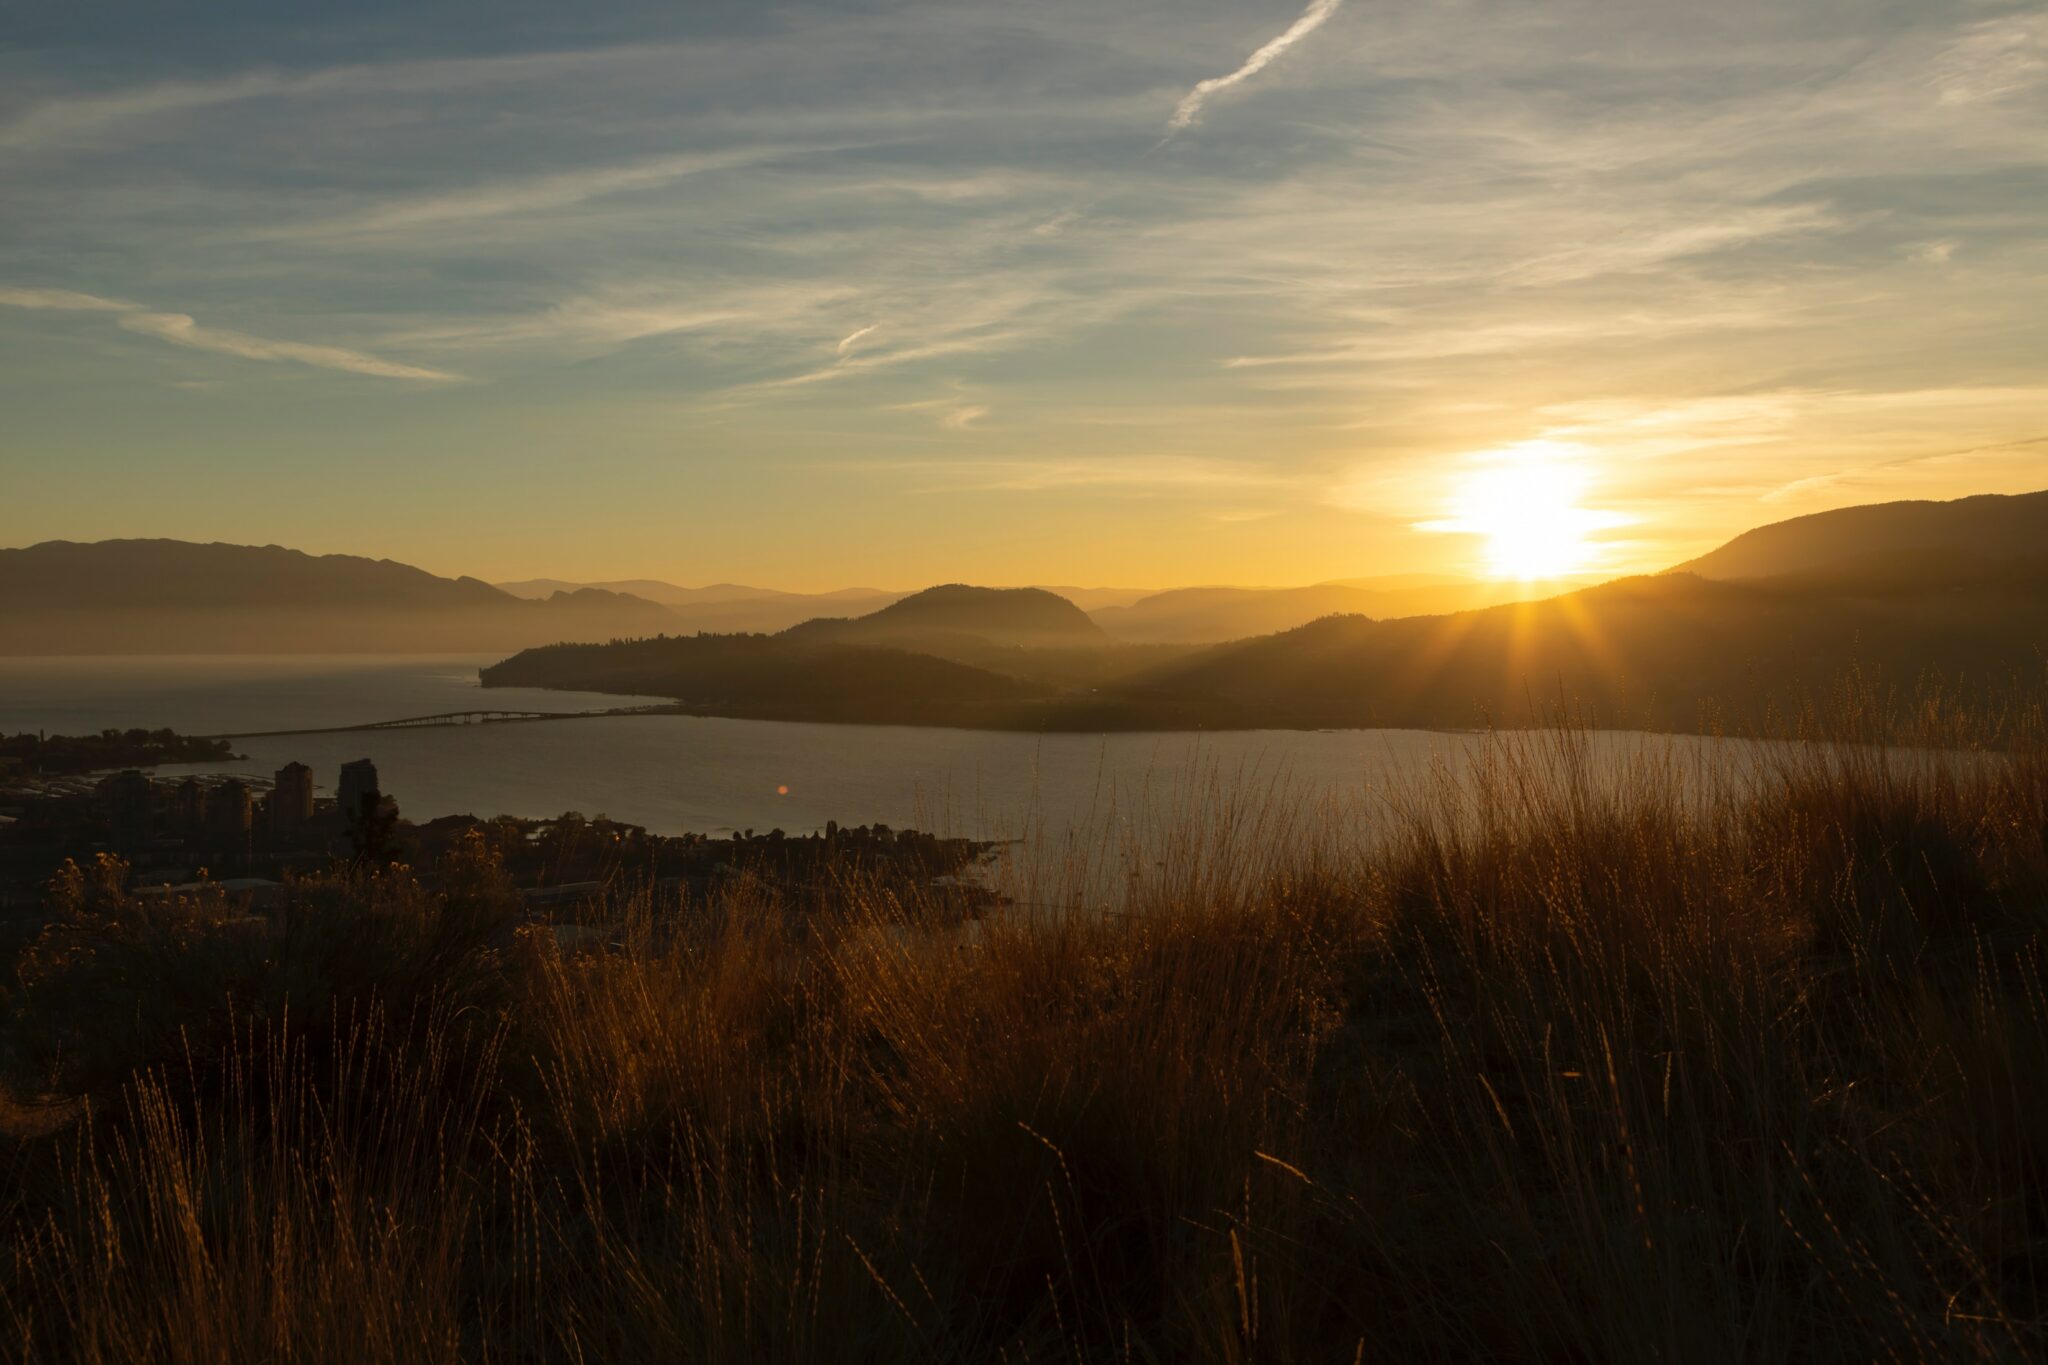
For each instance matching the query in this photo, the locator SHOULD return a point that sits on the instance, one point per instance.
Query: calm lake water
(680, 773)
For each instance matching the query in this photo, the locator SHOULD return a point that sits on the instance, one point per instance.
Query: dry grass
(1675, 1066)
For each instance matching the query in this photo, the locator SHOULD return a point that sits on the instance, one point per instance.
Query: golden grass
(1674, 1065)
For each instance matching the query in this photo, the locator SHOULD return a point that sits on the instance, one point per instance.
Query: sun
(1525, 500)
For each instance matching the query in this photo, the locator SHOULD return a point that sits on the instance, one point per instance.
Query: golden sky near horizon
(1144, 294)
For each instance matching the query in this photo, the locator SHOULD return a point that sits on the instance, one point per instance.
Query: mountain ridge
(1031, 617)
(1997, 525)
(170, 596)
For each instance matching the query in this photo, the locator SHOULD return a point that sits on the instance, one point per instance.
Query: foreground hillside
(1578, 1075)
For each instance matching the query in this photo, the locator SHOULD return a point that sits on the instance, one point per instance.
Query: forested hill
(764, 676)
(1026, 617)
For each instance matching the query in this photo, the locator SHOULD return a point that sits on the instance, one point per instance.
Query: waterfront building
(230, 811)
(358, 781)
(290, 806)
(187, 812)
(131, 803)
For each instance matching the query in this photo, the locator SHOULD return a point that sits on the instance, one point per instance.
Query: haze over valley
(1911, 592)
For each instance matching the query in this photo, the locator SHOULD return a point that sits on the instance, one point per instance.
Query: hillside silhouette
(770, 677)
(1955, 591)
(1990, 526)
(1217, 614)
(170, 596)
(1030, 618)
(1673, 651)
(726, 608)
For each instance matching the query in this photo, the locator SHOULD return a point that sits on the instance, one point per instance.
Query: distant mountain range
(727, 607)
(1952, 593)
(670, 595)
(724, 608)
(1956, 589)
(1205, 615)
(1214, 615)
(173, 597)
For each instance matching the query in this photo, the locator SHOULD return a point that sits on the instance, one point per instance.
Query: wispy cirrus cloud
(1132, 475)
(181, 329)
(1679, 239)
(62, 300)
(532, 194)
(68, 119)
(954, 414)
(1994, 59)
(1888, 471)
(1190, 107)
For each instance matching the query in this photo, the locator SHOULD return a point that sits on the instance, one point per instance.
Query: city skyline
(890, 294)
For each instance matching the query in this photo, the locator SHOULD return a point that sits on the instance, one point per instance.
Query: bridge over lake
(445, 719)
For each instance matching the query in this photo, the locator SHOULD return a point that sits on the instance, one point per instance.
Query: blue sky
(1136, 293)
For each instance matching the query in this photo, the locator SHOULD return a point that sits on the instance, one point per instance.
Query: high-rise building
(130, 799)
(229, 812)
(290, 806)
(358, 780)
(188, 809)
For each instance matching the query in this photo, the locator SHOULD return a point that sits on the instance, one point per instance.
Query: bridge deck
(442, 719)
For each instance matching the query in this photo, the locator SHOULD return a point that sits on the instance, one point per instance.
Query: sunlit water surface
(1123, 795)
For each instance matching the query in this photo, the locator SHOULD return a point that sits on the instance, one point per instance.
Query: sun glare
(1525, 502)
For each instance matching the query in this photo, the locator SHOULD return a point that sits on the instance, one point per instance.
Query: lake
(685, 773)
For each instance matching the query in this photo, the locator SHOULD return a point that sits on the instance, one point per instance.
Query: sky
(1131, 292)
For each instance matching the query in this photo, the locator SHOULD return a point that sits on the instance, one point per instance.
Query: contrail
(1191, 103)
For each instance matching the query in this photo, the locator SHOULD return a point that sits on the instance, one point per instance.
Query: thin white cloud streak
(2027, 449)
(67, 119)
(180, 329)
(582, 323)
(1135, 475)
(62, 300)
(951, 413)
(532, 194)
(853, 339)
(1467, 339)
(91, 117)
(1190, 106)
